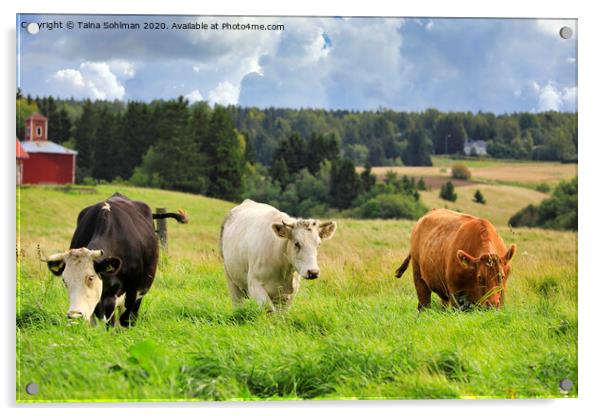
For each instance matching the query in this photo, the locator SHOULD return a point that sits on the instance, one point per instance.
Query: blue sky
(498, 65)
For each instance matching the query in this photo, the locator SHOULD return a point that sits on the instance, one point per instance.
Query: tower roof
(36, 116)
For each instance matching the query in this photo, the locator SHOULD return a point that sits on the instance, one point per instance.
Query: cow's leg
(257, 292)
(109, 310)
(423, 291)
(237, 295)
(132, 305)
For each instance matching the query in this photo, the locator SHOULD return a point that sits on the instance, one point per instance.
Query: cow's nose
(74, 315)
(313, 273)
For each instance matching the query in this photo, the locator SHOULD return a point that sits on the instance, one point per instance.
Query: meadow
(526, 174)
(354, 333)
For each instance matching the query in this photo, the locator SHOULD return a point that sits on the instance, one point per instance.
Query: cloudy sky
(335, 63)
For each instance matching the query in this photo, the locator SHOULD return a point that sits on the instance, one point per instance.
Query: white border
(589, 158)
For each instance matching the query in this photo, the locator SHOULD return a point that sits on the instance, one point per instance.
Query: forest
(302, 160)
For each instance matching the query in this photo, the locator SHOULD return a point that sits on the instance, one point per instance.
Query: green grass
(353, 333)
(446, 161)
(502, 201)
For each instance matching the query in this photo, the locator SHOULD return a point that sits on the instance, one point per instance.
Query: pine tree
(279, 172)
(418, 150)
(136, 135)
(85, 132)
(479, 198)
(448, 192)
(320, 148)
(105, 146)
(294, 153)
(421, 186)
(367, 179)
(344, 184)
(199, 125)
(225, 157)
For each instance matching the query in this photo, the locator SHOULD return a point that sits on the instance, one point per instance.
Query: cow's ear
(327, 230)
(56, 267)
(281, 230)
(465, 259)
(110, 265)
(510, 253)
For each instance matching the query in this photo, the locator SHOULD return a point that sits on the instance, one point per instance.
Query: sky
(351, 63)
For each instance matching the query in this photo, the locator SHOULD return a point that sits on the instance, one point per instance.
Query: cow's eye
(90, 279)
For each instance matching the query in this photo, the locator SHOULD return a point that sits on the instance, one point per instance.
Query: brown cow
(459, 257)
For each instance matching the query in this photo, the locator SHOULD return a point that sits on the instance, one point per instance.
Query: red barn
(21, 155)
(48, 162)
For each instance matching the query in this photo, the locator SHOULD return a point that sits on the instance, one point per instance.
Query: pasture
(526, 174)
(354, 333)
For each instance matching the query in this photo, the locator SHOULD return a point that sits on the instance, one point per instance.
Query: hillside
(490, 171)
(352, 333)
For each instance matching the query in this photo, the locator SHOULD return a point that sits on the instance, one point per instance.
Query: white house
(479, 146)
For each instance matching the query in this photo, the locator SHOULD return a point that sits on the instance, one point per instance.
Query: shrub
(448, 192)
(460, 171)
(478, 197)
(557, 212)
(390, 206)
(543, 187)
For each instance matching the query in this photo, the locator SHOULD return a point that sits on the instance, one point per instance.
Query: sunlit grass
(353, 333)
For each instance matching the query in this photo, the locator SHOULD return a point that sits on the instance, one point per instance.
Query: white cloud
(70, 77)
(550, 97)
(325, 62)
(93, 80)
(569, 98)
(122, 68)
(194, 96)
(224, 93)
(429, 25)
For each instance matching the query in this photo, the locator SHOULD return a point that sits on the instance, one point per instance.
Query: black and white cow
(112, 259)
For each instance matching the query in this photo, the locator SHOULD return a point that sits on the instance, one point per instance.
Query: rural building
(479, 146)
(21, 155)
(47, 162)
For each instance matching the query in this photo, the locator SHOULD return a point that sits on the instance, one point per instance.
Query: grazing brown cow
(459, 257)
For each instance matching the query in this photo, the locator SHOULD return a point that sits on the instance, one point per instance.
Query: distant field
(354, 333)
(502, 201)
(526, 174)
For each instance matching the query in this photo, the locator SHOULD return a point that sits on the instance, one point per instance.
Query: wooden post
(162, 229)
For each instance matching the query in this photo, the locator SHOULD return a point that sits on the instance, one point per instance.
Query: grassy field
(502, 201)
(353, 334)
(526, 174)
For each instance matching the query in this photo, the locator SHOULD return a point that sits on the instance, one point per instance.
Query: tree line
(303, 161)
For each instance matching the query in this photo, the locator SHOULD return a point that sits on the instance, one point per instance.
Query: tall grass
(354, 333)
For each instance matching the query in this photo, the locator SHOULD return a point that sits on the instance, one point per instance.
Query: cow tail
(403, 266)
(180, 216)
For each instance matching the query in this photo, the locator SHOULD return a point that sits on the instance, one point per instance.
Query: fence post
(162, 229)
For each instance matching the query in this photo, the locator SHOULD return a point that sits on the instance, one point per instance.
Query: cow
(459, 257)
(266, 252)
(111, 261)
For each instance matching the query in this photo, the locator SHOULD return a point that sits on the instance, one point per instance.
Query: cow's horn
(288, 225)
(53, 257)
(96, 253)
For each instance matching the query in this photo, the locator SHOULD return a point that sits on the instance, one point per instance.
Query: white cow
(262, 249)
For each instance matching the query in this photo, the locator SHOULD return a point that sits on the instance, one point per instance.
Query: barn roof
(36, 116)
(21, 153)
(45, 146)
